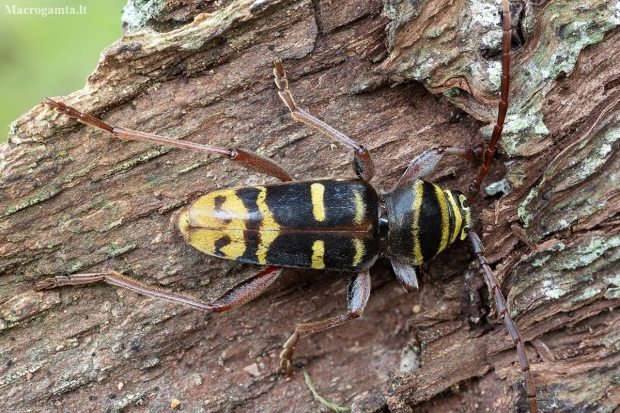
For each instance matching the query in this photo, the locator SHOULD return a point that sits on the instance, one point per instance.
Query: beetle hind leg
(235, 297)
(357, 297)
(252, 160)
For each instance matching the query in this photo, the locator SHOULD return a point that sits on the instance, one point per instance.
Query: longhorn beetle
(351, 225)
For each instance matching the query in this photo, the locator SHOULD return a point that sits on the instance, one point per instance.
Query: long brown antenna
(474, 188)
(530, 388)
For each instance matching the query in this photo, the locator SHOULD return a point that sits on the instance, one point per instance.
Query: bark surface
(398, 77)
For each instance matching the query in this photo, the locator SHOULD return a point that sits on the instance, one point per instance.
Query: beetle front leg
(362, 162)
(235, 297)
(427, 161)
(357, 297)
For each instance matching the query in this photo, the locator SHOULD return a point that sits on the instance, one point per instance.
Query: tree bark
(74, 199)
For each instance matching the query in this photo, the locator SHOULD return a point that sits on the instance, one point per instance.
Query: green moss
(516, 175)
(19, 373)
(433, 33)
(423, 66)
(551, 290)
(114, 250)
(68, 385)
(539, 262)
(191, 167)
(614, 280)
(36, 199)
(13, 128)
(486, 15)
(209, 99)
(365, 85)
(97, 202)
(399, 12)
(494, 74)
(586, 254)
(171, 206)
(131, 163)
(572, 32)
(588, 293)
(520, 128)
(598, 156)
(524, 215)
(138, 12)
(75, 226)
(452, 92)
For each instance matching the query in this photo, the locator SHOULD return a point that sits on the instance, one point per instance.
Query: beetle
(326, 224)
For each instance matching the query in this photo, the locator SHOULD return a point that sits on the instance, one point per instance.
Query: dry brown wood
(73, 199)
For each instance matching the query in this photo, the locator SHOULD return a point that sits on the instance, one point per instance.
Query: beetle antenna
(474, 188)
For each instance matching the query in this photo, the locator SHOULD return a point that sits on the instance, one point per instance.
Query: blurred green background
(52, 55)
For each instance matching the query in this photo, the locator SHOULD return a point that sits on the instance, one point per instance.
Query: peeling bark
(76, 200)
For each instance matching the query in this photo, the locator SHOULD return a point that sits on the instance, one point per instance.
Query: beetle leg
(405, 274)
(427, 161)
(236, 297)
(251, 159)
(362, 163)
(357, 296)
(530, 389)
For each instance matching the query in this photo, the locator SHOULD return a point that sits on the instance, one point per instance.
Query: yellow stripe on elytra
(418, 190)
(184, 225)
(360, 208)
(458, 219)
(445, 218)
(269, 228)
(318, 205)
(318, 254)
(226, 221)
(359, 251)
(466, 218)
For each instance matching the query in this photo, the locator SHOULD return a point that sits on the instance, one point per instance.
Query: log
(399, 77)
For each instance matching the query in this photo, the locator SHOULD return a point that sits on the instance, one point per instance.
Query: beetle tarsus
(46, 284)
(286, 355)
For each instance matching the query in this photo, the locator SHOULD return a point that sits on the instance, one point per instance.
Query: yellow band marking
(466, 218)
(360, 208)
(208, 223)
(458, 218)
(359, 251)
(445, 218)
(269, 228)
(318, 253)
(318, 206)
(184, 225)
(418, 190)
(205, 240)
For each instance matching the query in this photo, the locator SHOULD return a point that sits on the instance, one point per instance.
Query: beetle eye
(463, 200)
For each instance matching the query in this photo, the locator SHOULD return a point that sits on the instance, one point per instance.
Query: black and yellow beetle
(325, 224)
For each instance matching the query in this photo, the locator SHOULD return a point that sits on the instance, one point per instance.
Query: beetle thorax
(423, 220)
